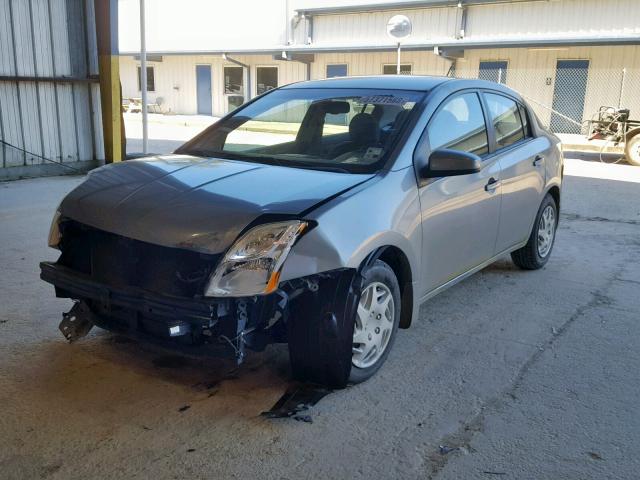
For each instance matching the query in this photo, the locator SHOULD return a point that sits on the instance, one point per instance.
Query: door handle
(491, 185)
(538, 160)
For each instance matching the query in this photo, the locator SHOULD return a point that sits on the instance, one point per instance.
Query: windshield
(349, 130)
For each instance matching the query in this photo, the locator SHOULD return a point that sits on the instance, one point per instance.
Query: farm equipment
(613, 125)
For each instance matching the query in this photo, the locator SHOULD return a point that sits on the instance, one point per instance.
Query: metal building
(50, 115)
(567, 57)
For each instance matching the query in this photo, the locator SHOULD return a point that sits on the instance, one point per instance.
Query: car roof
(405, 82)
(392, 82)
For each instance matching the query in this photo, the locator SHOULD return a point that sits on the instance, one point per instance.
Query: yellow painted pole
(109, 70)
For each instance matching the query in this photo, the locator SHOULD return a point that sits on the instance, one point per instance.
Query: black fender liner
(320, 328)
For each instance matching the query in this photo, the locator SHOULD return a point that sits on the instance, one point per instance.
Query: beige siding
(529, 71)
(175, 79)
(422, 63)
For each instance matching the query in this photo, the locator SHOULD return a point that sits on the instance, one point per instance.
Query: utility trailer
(613, 124)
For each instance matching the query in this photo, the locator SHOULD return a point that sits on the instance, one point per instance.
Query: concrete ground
(509, 374)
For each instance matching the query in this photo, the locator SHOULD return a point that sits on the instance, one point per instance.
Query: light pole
(143, 80)
(399, 28)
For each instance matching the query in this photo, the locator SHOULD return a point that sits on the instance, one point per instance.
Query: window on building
(151, 79)
(493, 71)
(234, 80)
(405, 69)
(266, 79)
(459, 125)
(506, 121)
(337, 70)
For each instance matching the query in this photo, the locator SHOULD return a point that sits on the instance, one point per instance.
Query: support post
(143, 81)
(398, 61)
(622, 82)
(106, 12)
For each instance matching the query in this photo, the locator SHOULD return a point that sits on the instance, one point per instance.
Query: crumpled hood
(196, 203)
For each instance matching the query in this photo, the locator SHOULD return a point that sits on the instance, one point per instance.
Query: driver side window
(459, 125)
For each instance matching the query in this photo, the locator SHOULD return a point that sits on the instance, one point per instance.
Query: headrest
(363, 129)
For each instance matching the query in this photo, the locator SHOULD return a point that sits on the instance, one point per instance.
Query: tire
(321, 329)
(377, 274)
(632, 148)
(536, 252)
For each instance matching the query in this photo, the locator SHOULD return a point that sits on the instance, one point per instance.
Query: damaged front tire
(342, 333)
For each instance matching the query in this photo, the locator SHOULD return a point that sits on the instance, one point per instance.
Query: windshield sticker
(383, 100)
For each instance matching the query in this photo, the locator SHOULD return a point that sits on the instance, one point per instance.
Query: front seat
(363, 132)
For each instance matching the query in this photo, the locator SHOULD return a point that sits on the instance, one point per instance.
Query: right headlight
(54, 231)
(253, 263)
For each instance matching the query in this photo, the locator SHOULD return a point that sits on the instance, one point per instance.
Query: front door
(568, 95)
(203, 86)
(459, 213)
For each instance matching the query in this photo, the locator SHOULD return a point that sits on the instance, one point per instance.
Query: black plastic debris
(184, 408)
(298, 398)
(595, 456)
(303, 418)
(444, 449)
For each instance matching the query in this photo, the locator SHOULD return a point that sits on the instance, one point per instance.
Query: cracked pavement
(509, 374)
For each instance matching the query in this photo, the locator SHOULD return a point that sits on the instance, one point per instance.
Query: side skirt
(468, 273)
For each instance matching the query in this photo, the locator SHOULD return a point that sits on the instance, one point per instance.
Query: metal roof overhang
(452, 44)
(404, 5)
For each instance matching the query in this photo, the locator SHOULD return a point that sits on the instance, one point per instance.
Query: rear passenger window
(459, 125)
(505, 116)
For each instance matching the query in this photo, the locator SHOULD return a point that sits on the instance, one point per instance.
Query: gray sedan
(321, 214)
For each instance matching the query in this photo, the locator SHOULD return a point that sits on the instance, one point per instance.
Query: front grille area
(123, 262)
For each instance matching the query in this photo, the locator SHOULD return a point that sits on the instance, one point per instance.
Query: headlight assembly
(253, 263)
(54, 231)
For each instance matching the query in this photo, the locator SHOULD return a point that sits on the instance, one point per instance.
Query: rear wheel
(536, 252)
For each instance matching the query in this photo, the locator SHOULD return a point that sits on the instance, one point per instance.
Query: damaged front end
(156, 294)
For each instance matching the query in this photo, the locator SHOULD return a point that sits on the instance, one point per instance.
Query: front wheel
(339, 342)
(376, 321)
(536, 252)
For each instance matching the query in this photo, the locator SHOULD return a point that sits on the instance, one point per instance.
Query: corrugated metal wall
(49, 105)
(518, 20)
(567, 17)
(370, 28)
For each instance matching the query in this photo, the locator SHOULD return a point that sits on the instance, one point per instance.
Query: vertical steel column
(143, 80)
(106, 12)
(16, 73)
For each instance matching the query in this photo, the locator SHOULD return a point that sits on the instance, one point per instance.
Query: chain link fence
(566, 96)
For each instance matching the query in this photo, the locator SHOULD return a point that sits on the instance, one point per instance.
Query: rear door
(521, 157)
(459, 213)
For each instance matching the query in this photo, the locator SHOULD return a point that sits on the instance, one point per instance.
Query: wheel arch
(554, 191)
(399, 263)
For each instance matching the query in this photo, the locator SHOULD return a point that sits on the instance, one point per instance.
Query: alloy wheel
(546, 230)
(374, 325)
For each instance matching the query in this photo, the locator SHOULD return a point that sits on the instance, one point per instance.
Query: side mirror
(447, 163)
